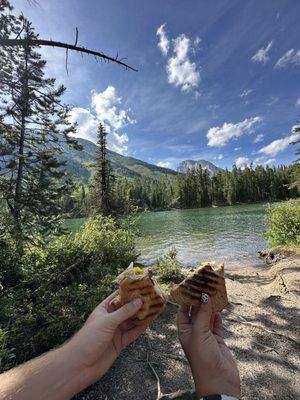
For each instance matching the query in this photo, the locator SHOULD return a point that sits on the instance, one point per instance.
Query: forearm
(54, 375)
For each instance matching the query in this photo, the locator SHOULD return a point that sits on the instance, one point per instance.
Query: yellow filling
(138, 270)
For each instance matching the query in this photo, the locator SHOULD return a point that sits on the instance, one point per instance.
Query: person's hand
(104, 335)
(201, 336)
(65, 371)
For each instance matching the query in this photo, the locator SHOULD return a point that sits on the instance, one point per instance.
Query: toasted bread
(137, 282)
(206, 279)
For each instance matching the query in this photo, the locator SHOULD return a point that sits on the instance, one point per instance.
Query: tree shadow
(267, 350)
(257, 279)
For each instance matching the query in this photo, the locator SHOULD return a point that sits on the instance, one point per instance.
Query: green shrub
(283, 224)
(167, 269)
(48, 293)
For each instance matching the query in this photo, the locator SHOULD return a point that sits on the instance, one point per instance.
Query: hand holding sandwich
(104, 335)
(201, 336)
(63, 372)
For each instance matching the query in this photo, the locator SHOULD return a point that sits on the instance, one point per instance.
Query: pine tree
(33, 125)
(296, 169)
(103, 179)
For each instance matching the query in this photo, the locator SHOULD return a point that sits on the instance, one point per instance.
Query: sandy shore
(261, 328)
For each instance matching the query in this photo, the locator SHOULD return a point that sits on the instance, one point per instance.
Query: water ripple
(230, 234)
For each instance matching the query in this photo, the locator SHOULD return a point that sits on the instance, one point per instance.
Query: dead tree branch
(76, 39)
(53, 43)
(159, 393)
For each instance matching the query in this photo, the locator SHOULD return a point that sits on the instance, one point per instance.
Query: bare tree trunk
(20, 172)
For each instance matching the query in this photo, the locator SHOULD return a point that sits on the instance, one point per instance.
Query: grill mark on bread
(187, 293)
(201, 282)
(131, 289)
(201, 286)
(141, 293)
(199, 290)
(213, 279)
(144, 288)
(157, 305)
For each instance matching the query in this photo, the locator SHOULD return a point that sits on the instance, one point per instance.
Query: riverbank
(260, 328)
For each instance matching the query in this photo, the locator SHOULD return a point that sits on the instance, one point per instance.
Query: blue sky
(218, 80)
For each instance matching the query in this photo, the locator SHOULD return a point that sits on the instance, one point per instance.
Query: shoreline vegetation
(138, 211)
(194, 189)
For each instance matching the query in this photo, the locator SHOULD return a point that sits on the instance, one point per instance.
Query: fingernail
(204, 297)
(137, 302)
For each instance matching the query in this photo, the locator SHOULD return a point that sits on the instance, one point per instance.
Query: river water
(230, 234)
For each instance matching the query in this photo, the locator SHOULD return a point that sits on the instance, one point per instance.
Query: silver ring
(204, 297)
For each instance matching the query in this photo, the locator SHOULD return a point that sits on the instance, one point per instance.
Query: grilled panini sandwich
(208, 278)
(137, 282)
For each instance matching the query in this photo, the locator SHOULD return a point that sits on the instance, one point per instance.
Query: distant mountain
(80, 163)
(184, 166)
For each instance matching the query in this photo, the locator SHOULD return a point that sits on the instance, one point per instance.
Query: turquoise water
(230, 234)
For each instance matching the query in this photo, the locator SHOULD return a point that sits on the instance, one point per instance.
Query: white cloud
(298, 102)
(106, 108)
(219, 157)
(181, 148)
(164, 42)
(272, 100)
(242, 162)
(237, 148)
(279, 145)
(87, 123)
(292, 56)
(258, 138)
(296, 128)
(164, 164)
(262, 54)
(270, 161)
(258, 160)
(197, 94)
(246, 93)
(197, 41)
(219, 136)
(181, 71)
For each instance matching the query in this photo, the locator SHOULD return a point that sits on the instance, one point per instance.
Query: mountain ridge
(185, 165)
(80, 164)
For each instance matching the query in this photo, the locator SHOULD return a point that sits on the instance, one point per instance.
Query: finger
(203, 316)
(218, 326)
(193, 313)
(212, 321)
(183, 315)
(125, 312)
(132, 334)
(105, 303)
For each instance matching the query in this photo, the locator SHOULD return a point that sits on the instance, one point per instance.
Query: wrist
(207, 383)
(218, 397)
(77, 375)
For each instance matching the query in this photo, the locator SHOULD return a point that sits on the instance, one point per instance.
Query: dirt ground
(261, 328)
